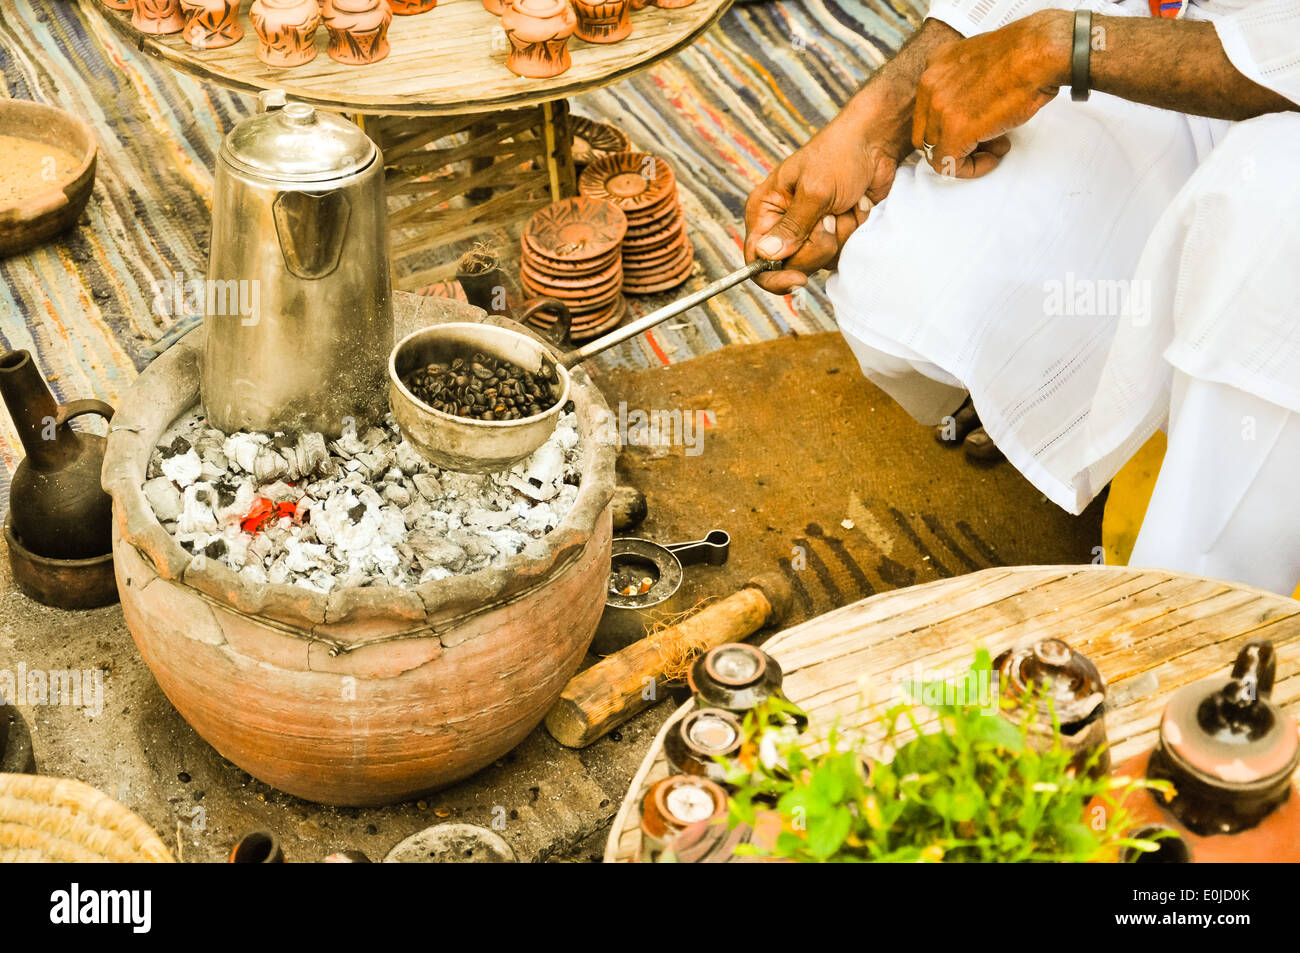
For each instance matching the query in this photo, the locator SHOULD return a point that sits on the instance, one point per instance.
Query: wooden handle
(604, 696)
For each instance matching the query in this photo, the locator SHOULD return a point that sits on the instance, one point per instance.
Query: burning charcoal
(305, 557)
(215, 464)
(196, 514)
(183, 468)
(538, 477)
(360, 511)
(178, 447)
(427, 485)
(397, 494)
(164, 498)
(241, 449)
(269, 466)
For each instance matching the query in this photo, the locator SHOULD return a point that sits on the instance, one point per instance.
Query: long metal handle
(592, 348)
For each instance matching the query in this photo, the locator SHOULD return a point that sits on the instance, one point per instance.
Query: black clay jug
(56, 504)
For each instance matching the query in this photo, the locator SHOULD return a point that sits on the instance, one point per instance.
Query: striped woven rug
(722, 112)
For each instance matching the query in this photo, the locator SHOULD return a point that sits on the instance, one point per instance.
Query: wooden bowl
(43, 207)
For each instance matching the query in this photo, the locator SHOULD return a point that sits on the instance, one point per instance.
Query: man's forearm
(886, 102)
(1172, 64)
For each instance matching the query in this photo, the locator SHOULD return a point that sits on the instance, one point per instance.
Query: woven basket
(59, 820)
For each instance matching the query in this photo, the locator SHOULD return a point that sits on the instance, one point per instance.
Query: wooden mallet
(601, 698)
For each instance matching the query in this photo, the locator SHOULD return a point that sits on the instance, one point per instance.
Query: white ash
(369, 510)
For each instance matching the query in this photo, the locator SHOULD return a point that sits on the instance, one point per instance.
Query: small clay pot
(672, 4)
(119, 4)
(286, 30)
(157, 17)
(358, 30)
(211, 24)
(406, 8)
(603, 21)
(539, 32)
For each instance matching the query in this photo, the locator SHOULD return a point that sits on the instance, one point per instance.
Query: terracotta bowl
(44, 208)
(363, 696)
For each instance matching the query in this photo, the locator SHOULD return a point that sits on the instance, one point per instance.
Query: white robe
(1116, 249)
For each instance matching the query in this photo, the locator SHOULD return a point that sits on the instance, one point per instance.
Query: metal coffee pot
(299, 315)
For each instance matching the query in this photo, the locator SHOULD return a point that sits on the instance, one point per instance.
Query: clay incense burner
(603, 21)
(539, 32)
(1065, 685)
(406, 8)
(694, 744)
(157, 17)
(358, 30)
(734, 677)
(286, 29)
(211, 24)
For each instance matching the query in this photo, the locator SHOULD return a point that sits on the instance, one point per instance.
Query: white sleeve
(1263, 43)
(969, 17)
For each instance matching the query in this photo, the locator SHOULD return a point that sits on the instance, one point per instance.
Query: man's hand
(812, 202)
(973, 92)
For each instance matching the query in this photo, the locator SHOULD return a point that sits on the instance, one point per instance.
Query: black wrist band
(1081, 57)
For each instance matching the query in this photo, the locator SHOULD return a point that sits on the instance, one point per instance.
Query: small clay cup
(211, 24)
(407, 8)
(358, 30)
(286, 30)
(603, 21)
(539, 32)
(157, 17)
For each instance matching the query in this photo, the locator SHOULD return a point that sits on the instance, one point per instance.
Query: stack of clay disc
(657, 253)
(571, 251)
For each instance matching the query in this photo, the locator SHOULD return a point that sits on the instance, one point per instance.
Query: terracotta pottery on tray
(211, 24)
(539, 32)
(358, 30)
(576, 229)
(603, 21)
(494, 7)
(407, 8)
(157, 17)
(594, 140)
(286, 30)
(634, 181)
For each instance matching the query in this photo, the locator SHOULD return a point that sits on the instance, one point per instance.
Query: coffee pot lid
(1227, 730)
(298, 143)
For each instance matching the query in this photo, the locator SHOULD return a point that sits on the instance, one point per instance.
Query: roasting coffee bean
(483, 387)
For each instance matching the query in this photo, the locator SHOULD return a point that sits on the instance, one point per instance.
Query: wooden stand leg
(518, 161)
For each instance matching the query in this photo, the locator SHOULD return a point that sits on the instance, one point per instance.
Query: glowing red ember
(265, 512)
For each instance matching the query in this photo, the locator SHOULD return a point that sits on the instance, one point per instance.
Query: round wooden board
(1150, 632)
(448, 61)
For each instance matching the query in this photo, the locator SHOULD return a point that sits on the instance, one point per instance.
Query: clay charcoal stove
(364, 509)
